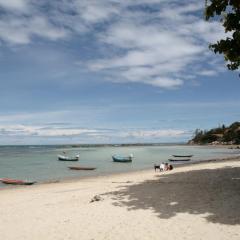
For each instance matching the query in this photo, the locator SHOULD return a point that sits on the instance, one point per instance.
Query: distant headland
(220, 135)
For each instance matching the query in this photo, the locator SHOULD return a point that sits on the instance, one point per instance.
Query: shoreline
(62, 175)
(119, 174)
(195, 201)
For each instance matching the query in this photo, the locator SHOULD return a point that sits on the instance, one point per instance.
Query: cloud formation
(16, 5)
(42, 131)
(159, 46)
(91, 135)
(154, 42)
(156, 133)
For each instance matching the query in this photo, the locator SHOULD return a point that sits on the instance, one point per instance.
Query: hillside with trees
(219, 135)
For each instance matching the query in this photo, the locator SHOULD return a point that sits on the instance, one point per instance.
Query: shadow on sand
(215, 193)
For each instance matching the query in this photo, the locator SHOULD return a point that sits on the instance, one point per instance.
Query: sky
(111, 71)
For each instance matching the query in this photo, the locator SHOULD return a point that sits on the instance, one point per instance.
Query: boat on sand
(16, 181)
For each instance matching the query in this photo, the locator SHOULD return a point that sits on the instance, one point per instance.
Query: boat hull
(82, 168)
(15, 181)
(68, 159)
(184, 156)
(179, 160)
(122, 159)
(63, 158)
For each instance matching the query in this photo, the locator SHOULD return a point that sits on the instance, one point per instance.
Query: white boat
(66, 158)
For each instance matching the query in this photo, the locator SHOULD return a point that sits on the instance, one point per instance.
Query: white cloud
(166, 82)
(152, 54)
(96, 11)
(10, 32)
(153, 42)
(209, 32)
(206, 72)
(20, 31)
(41, 27)
(56, 125)
(156, 133)
(55, 131)
(41, 131)
(20, 5)
(159, 47)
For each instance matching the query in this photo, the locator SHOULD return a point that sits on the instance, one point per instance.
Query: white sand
(181, 204)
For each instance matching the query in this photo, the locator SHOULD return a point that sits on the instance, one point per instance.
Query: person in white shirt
(162, 166)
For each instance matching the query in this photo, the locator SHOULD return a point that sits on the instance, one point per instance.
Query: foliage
(228, 11)
(221, 134)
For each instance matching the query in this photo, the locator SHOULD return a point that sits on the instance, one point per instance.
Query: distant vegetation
(220, 135)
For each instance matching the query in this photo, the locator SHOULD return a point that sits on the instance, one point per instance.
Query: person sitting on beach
(170, 167)
(162, 166)
(166, 166)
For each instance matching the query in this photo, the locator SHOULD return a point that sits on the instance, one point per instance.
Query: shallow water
(40, 163)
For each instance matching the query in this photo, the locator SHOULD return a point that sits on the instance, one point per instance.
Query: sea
(40, 163)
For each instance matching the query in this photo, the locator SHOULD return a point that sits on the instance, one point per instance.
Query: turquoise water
(39, 163)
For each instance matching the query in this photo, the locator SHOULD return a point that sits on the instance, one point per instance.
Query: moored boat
(179, 160)
(122, 159)
(82, 168)
(65, 158)
(186, 156)
(16, 181)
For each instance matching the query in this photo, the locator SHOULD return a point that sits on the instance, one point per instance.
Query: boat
(65, 158)
(15, 181)
(82, 168)
(187, 156)
(117, 158)
(179, 160)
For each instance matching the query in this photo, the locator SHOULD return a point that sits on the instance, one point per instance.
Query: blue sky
(108, 71)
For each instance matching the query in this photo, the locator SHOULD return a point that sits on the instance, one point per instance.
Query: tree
(228, 11)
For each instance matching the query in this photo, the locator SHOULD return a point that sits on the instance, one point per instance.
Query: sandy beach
(199, 201)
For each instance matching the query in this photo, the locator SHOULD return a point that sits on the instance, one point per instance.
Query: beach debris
(96, 198)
